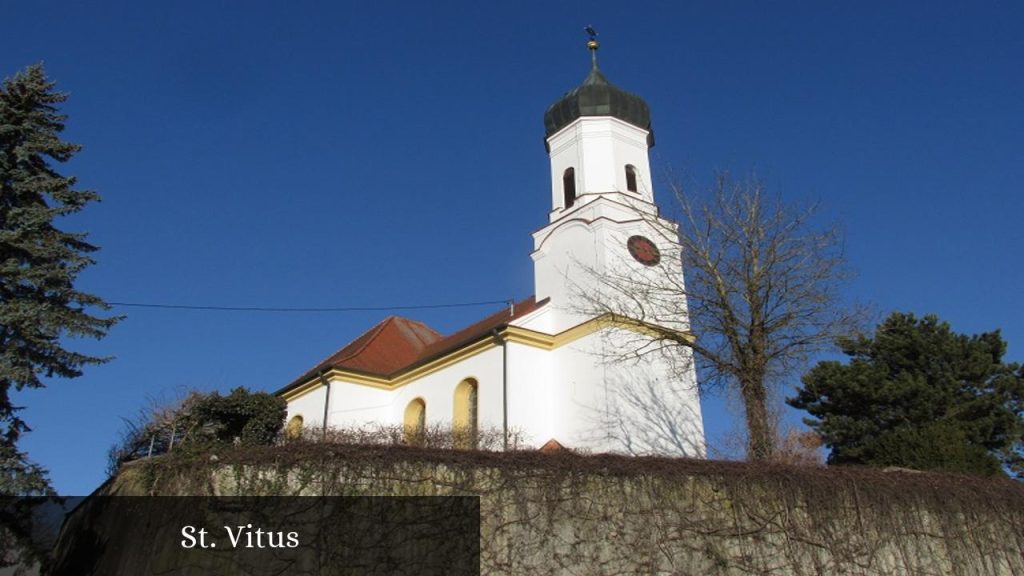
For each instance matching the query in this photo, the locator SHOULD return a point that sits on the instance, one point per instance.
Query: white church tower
(606, 255)
(575, 364)
(598, 138)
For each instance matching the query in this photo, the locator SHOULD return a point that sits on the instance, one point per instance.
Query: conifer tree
(39, 263)
(919, 395)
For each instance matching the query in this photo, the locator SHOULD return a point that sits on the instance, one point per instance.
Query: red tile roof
(552, 446)
(397, 344)
(386, 347)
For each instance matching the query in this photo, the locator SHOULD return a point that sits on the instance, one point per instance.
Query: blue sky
(335, 154)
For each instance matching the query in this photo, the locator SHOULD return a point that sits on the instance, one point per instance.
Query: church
(556, 369)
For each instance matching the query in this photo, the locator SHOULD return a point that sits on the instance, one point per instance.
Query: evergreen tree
(39, 305)
(921, 396)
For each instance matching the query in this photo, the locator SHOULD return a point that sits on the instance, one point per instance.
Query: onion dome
(598, 97)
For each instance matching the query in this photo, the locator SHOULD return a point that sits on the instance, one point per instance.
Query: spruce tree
(39, 263)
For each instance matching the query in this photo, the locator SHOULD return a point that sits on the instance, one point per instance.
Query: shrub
(250, 418)
(199, 421)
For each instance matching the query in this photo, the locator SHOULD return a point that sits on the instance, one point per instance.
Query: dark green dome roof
(597, 97)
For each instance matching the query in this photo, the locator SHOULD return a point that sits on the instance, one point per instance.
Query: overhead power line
(308, 310)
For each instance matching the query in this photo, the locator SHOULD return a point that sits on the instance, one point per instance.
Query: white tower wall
(604, 400)
(598, 148)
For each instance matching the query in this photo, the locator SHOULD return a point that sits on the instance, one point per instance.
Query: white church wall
(585, 394)
(628, 147)
(564, 154)
(653, 402)
(580, 395)
(540, 320)
(437, 390)
(357, 405)
(660, 287)
(577, 264)
(609, 401)
(531, 405)
(310, 406)
(598, 148)
(560, 265)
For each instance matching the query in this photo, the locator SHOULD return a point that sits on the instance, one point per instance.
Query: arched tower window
(415, 421)
(569, 187)
(465, 421)
(293, 431)
(630, 178)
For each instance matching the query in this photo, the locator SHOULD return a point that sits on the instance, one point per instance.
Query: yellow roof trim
(514, 334)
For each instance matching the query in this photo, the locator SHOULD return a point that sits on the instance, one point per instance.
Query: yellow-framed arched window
(415, 421)
(465, 419)
(293, 431)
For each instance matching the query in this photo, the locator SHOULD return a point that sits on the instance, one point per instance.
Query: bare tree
(762, 292)
(154, 428)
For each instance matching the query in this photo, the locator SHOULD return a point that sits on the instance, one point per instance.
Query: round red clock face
(643, 250)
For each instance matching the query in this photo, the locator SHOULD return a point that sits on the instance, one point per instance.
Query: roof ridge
(418, 322)
(375, 332)
(498, 318)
